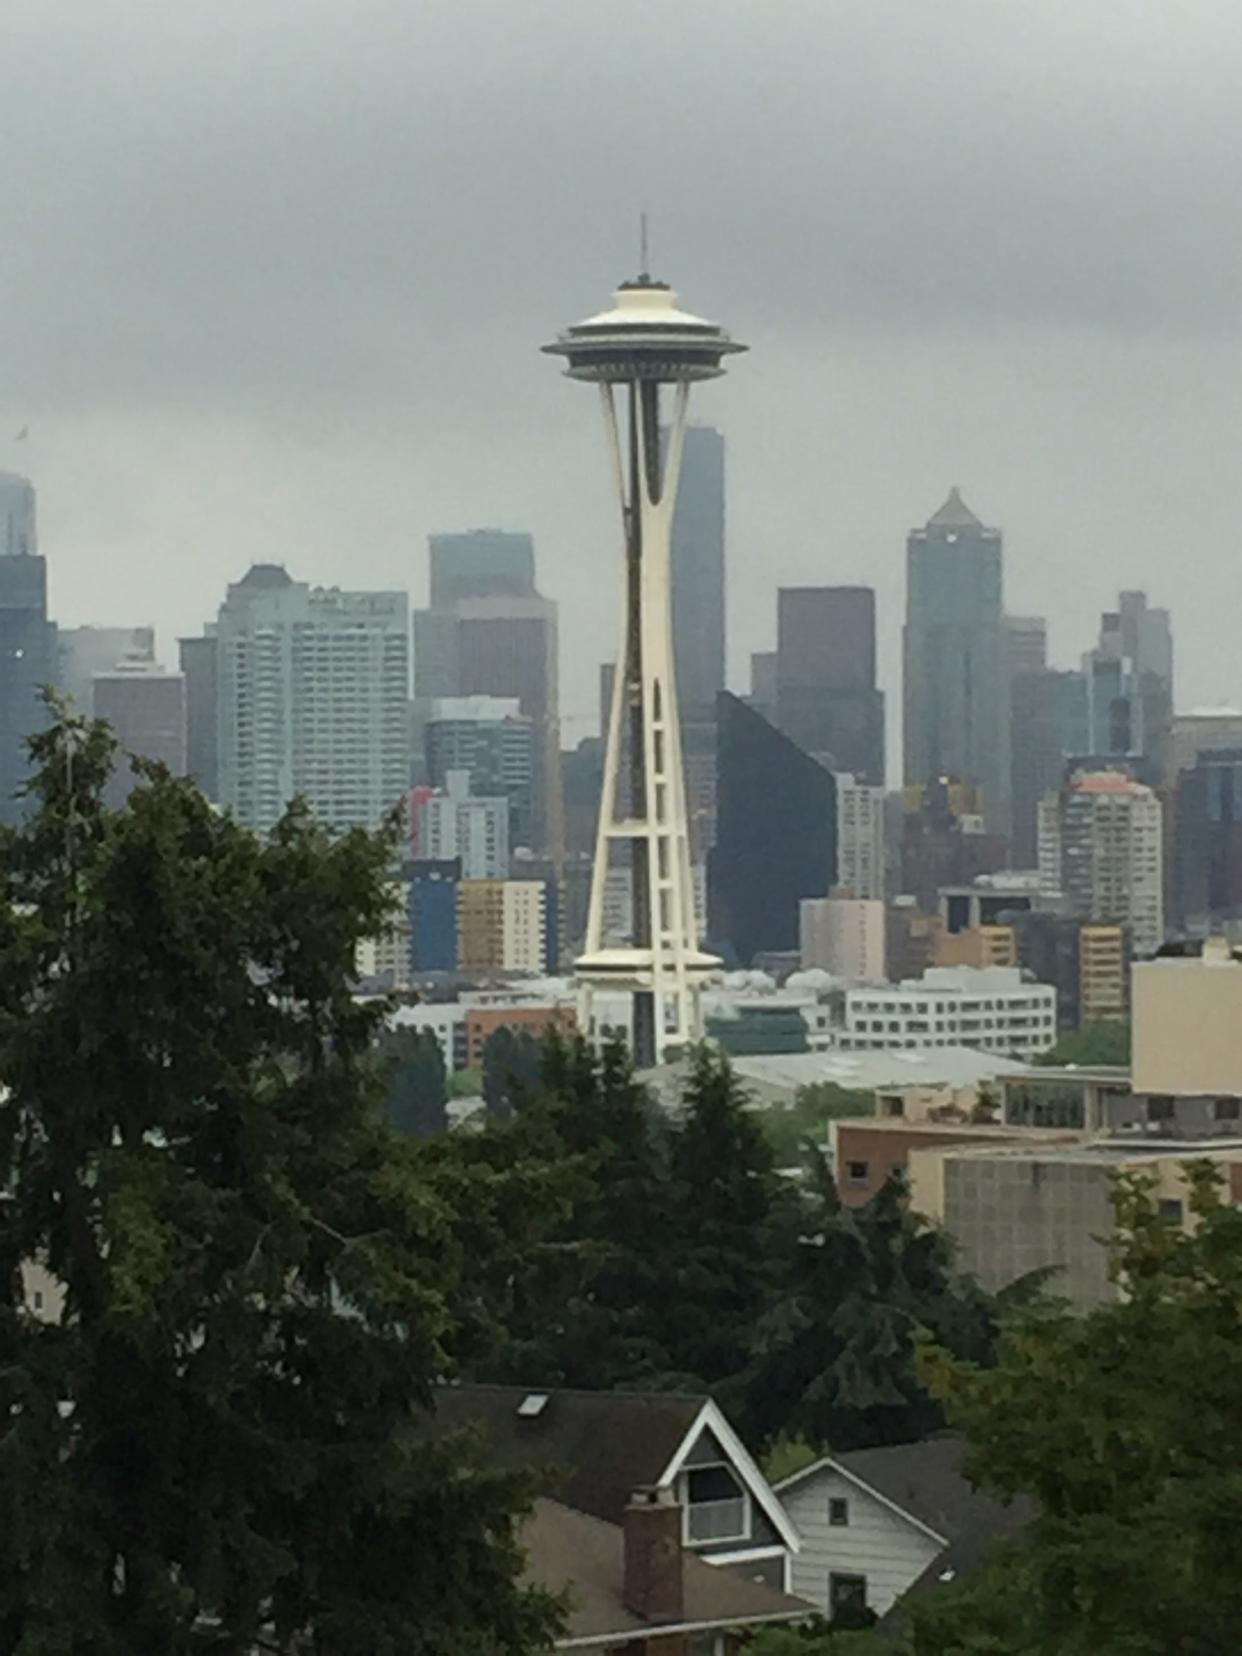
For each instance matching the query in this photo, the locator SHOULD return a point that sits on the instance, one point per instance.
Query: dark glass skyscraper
(697, 556)
(826, 696)
(1207, 882)
(955, 690)
(27, 665)
(776, 834)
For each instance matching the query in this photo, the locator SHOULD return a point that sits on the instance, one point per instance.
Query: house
(594, 1449)
(875, 1522)
(635, 1588)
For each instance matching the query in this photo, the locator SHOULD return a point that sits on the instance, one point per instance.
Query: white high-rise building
(452, 823)
(642, 349)
(1101, 849)
(860, 837)
(312, 700)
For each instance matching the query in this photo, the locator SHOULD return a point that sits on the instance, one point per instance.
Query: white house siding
(891, 1552)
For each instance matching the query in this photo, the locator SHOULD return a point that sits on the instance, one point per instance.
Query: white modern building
(860, 837)
(452, 823)
(312, 700)
(646, 351)
(1101, 849)
(989, 1007)
(844, 936)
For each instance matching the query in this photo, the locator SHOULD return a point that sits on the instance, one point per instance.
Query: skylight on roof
(533, 1404)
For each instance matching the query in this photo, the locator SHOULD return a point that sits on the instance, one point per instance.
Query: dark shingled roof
(595, 1447)
(571, 1550)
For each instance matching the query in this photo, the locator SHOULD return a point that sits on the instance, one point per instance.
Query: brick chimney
(652, 1544)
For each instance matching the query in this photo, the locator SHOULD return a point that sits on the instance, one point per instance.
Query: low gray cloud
(273, 280)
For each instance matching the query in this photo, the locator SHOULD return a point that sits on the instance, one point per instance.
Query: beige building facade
(1188, 1024)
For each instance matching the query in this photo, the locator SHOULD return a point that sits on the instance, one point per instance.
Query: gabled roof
(924, 1483)
(570, 1550)
(954, 514)
(598, 1447)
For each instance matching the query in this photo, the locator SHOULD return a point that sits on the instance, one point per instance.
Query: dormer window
(716, 1504)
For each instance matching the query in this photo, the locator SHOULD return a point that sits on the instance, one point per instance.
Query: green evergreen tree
(417, 1099)
(732, 1225)
(512, 1070)
(598, 1322)
(837, 1350)
(210, 1450)
(1123, 1426)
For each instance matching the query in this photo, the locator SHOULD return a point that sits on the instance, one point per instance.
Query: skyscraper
(454, 823)
(1207, 876)
(81, 652)
(1101, 850)
(1125, 706)
(198, 659)
(18, 532)
(1026, 644)
(643, 343)
(489, 632)
(1041, 720)
(27, 639)
(697, 566)
(826, 696)
(776, 835)
(312, 698)
(146, 708)
(955, 701)
(492, 740)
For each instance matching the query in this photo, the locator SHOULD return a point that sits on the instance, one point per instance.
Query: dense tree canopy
(1093, 1043)
(209, 1450)
(417, 1099)
(1124, 1426)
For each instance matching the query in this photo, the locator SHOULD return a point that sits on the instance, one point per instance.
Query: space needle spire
(643, 353)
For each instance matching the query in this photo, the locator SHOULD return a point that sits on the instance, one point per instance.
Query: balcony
(717, 1520)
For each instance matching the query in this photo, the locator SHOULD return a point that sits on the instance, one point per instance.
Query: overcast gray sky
(273, 276)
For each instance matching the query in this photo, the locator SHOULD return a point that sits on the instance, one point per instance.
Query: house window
(1171, 1210)
(856, 1172)
(838, 1511)
(1227, 1109)
(1159, 1109)
(715, 1505)
(847, 1599)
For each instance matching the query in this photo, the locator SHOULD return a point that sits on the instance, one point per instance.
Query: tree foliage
(836, 1351)
(417, 1101)
(1124, 1427)
(210, 1450)
(1093, 1043)
(512, 1070)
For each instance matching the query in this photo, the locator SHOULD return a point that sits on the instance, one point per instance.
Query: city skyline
(268, 323)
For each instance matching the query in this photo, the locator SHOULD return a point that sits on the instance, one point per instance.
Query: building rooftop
(570, 1552)
(1106, 1152)
(1107, 782)
(954, 514)
(949, 1066)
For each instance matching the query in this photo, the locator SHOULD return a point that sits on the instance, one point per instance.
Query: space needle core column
(642, 345)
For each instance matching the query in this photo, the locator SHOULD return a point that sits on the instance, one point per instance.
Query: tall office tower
(1042, 720)
(18, 532)
(488, 632)
(776, 832)
(1101, 850)
(826, 696)
(763, 683)
(1026, 644)
(146, 708)
(453, 825)
(955, 700)
(492, 740)
(1201, 731)
(697, 565)
(81, 652)
(27, 640)
(198, 659)
(480, 563)
(1125, 707)
(313, 694)
(641, 345)
(1207, 856)
(502, 925)
(860, 837)
(1087, 963)
(844, 936)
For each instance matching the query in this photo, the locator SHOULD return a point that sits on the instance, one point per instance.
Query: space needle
(642, 344)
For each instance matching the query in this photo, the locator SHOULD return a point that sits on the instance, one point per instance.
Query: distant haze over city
(275, 281)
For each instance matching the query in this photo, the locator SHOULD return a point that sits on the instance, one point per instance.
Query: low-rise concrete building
(992, 1008)
(1188, 1024)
